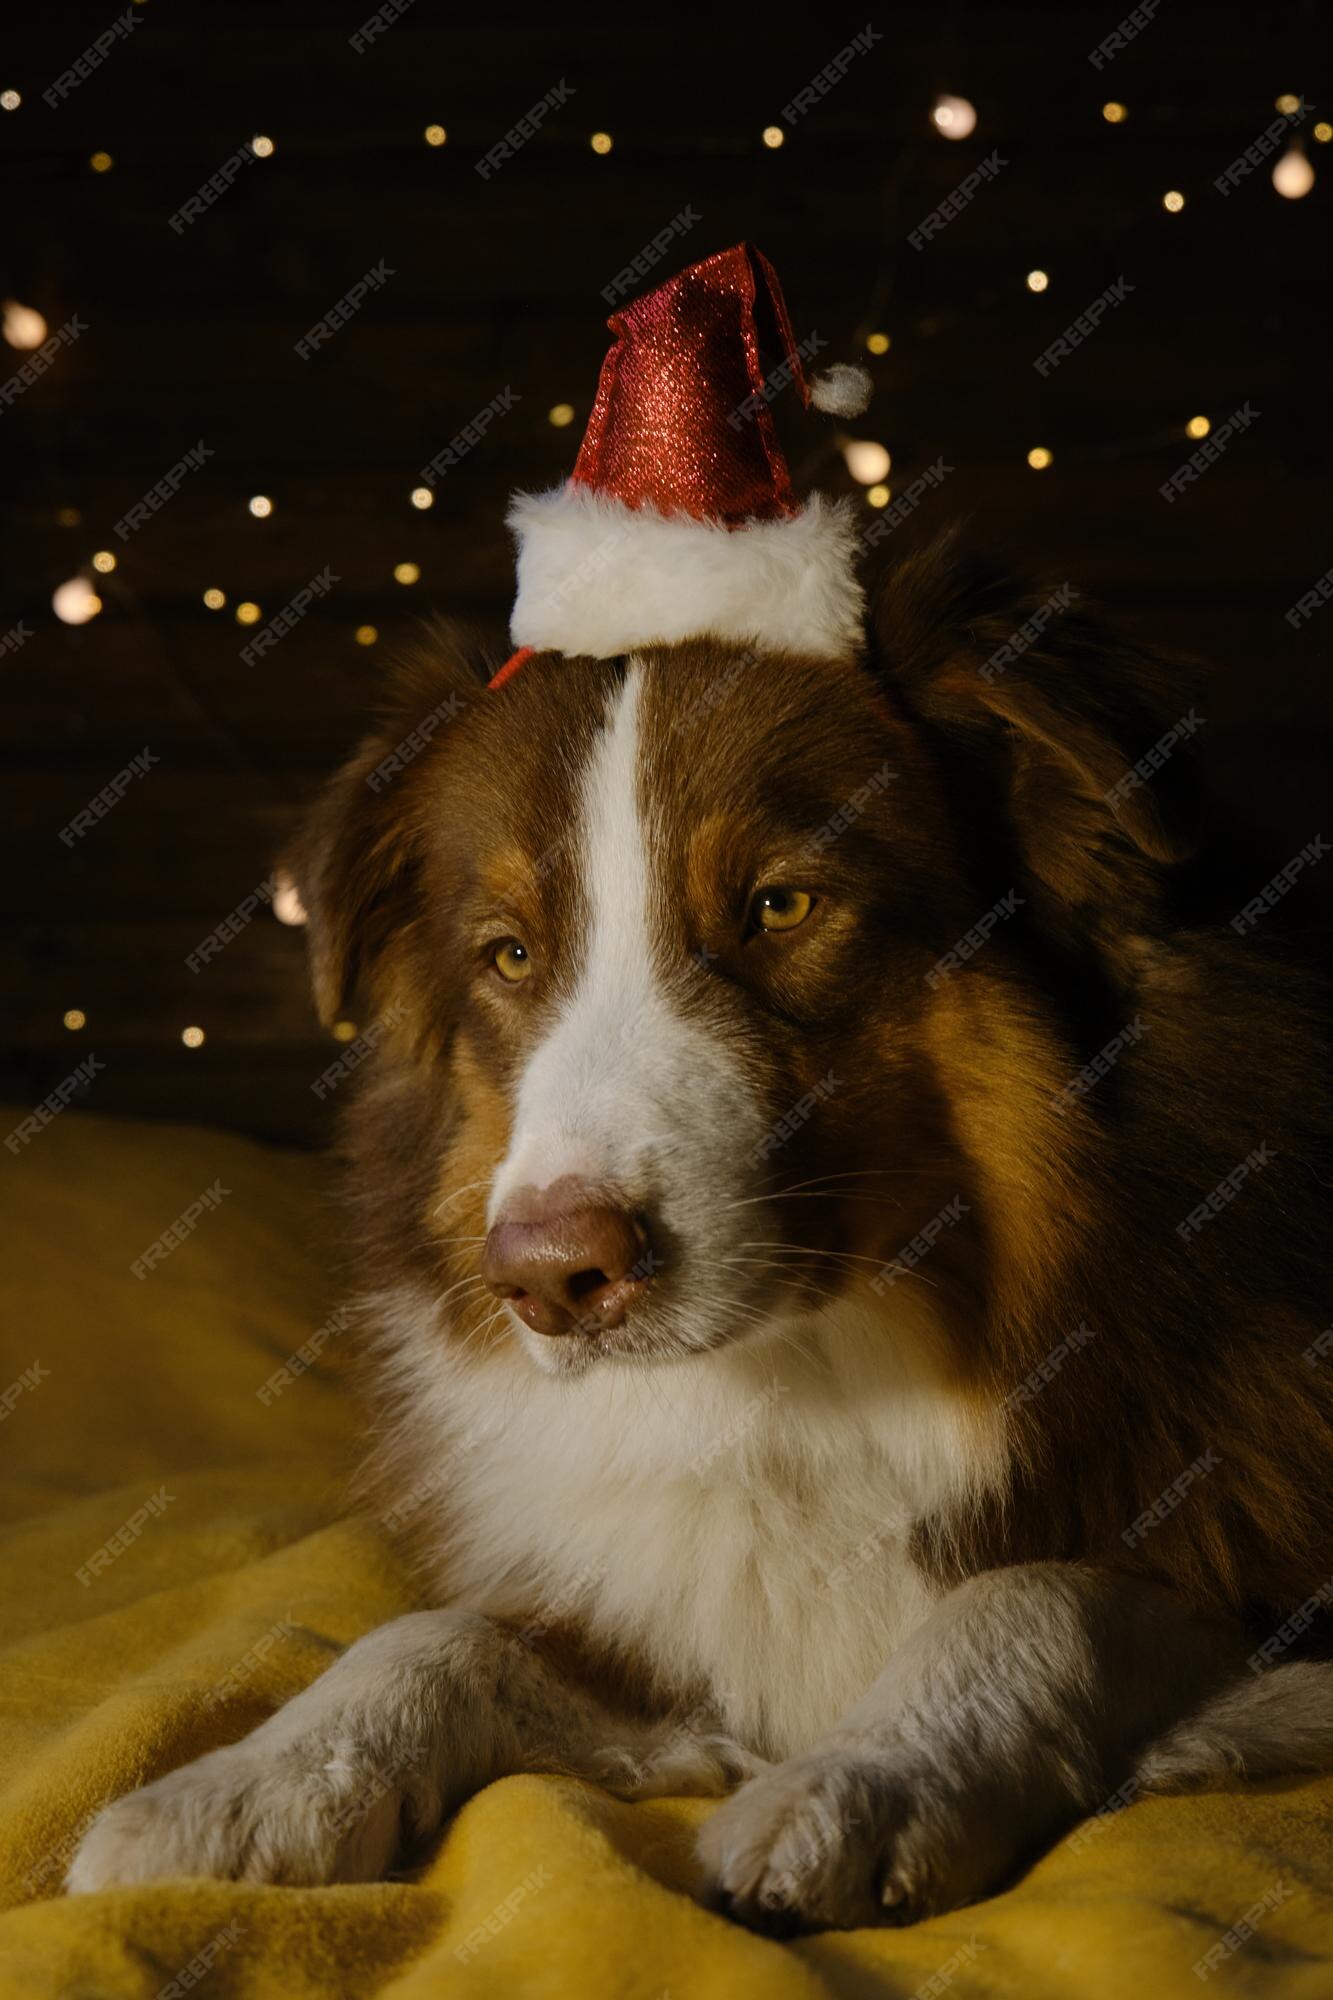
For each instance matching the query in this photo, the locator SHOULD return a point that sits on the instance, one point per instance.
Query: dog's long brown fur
(1200, 1342)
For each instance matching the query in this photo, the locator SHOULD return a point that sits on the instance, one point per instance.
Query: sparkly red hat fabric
(679, 519)
(676, 424)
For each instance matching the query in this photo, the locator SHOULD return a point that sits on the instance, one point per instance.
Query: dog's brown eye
(512, 961)
(781, 909)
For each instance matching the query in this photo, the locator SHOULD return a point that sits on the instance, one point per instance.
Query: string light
(878, 343)
(1173, 201)
(10, 100)
(866, 461)
(344, 1031)
(774, 136)
(261, 146)
(75, 601)
(1293, 176)
(1039, 458)
(422, 497)
(248, 613)
(193, 1038)
(101, 163)
(878, 496)
(560, 414)
(1037, 281)
(954, 117)
(104, 561)
(436, 135)
(24, 325)
(601, 142)
(261, 506)
(75, 1019)
(366, 635)
(1115, 114)
(1323, 131)
(1288, 104)
(215, 599)
(1198, 427)
(407, 572)
(287, 905)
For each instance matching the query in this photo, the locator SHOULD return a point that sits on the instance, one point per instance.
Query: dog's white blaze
(626, 1090)
(581, 1103)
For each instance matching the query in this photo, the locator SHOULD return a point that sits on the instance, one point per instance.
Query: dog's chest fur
(739, 1523)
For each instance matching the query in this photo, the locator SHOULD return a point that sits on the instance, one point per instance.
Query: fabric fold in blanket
(177, 1556)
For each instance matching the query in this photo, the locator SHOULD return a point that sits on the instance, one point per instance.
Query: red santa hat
(679, 519)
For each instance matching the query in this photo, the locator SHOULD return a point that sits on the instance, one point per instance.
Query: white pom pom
(844, 391)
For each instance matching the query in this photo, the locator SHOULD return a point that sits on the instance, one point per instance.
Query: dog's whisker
(457, 1194)
(821, 1180)
(807, 1281)
(812, 1250)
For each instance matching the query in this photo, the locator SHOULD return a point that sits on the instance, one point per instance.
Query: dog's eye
(781, 909)
(512, 961)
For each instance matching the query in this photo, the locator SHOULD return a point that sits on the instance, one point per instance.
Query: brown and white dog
(838, 1229)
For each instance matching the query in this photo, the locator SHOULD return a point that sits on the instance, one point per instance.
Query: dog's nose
(571, 1268)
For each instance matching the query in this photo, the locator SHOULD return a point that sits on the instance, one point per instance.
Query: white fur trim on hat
(598, 577)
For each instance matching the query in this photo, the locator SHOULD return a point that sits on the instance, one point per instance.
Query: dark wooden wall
(497, 283)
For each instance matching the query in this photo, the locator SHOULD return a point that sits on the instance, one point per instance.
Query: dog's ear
(1047, 713)
(354, 862)
(351, 864)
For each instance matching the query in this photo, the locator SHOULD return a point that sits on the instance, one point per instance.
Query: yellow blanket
(176, 1560)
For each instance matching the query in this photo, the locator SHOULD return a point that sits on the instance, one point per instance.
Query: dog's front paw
(839, 1839)
(245, 1814)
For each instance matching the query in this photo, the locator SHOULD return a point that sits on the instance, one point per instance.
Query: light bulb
(1293, 176)
(954, 117)
(75, 601)
(867, 461)
(287, 905)
(24, 325)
